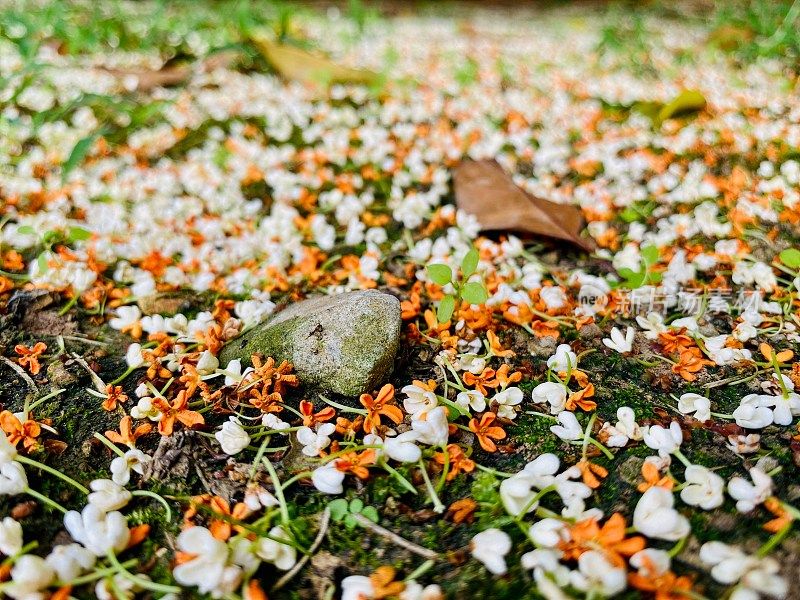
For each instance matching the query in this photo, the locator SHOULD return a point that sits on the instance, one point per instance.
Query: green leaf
(474, 292)
(78, 234)
(350, 521)
(439, 273)
(649, 254)
(635, 281)
(470, 263)
(41, 261)
(791, 258)
(356, 505)
(338, 509)
(371, 513)
(79, 152)
(688, 101)
(26, 230)
(446, 308)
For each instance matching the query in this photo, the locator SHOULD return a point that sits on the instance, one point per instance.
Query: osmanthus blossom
(667, 440)
(232, 437)
(419, 400)
(490, 548)
(754, 412)
(597, 576)
(68, 561)
(108, 495)
(13, 479)
(551, 576)
(699, 406)
(753, 576)
(30, 577)
(472, 400)
(704, 488)
(568, 428)
(618, 342)
(99, 531)
(273, 550)
(133, 460)
(328, 479)
(554, 394)
(431, 427)
(506, 401)
(10, 536)
(564, 359)
(656, 517)
(749, 495)
(207, 565)
(403, 447)
(652, 324)
(315, 441)
(626, 429)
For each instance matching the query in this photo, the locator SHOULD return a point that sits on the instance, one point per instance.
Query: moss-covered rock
(345, 344)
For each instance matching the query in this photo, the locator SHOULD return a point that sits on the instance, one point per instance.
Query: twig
(21, 372)
(394, 538)
(99, 384)
(323, 529)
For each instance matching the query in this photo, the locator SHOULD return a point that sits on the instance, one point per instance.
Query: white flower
(516, 492)
(563, 360)
(232, 437)
(626, 428)
(207, 363)
(357, 587)
(119, 588)
(471, 399)
(490, 547)
(755, 575)
(107, 495)
(121, 467)
(695, 403)
(666, 441)
(418, 400)
(8, 452)
(549, 533)
(29, 577)
(655, 517)
(12, 479)
(70, 560)
(752, 413)
(553, 297)
(208, 569)
(749, 495)
(328, 479)
(507, 400)
(653, 324)
(744, 444)
(554, 394)
(597, 576)
(432, 427)
(257, 497)
(280, 554)
(745, 331)
(144, 409)
(704, 488)
(620, 343)
(134, 356)
(271, 421)
(10, 536)
(569, 428)
(403, 448)
(100, 532)
(651, 563)
(314, 442)
(415, 591)
(785, 408)
(127, 317)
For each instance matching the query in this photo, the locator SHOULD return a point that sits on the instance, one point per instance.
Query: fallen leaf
(145, 80)
(688, 101)
(485, 190)
(310, 67)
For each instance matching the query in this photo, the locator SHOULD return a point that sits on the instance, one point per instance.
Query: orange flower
(486, 432)
(580, 399)
(356, 463)
(690, 363)
(782, 516)
(456, 459)
(127, 435)
(610, 539)
(384, 585)
(665, 586)
(177, 410)
(29, 357)
(220, 527)
(254, 591)
(494, 344)
(310, 417)
(462, 511)
(781, 357)
(380, 405)
(652, 478)
(590, 473)
(114, 395)
(486, 379)
(18, 431)
(504, 378)
(348, 428)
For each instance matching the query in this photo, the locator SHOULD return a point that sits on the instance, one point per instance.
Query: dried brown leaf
(486, 191)
(168, 76)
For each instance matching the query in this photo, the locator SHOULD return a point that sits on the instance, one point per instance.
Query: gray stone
(344, 343)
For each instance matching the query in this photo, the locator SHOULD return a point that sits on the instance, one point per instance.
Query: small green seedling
(51, 238)
(343, 511)
(791, 258)
(473, 292)
(645, 276)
